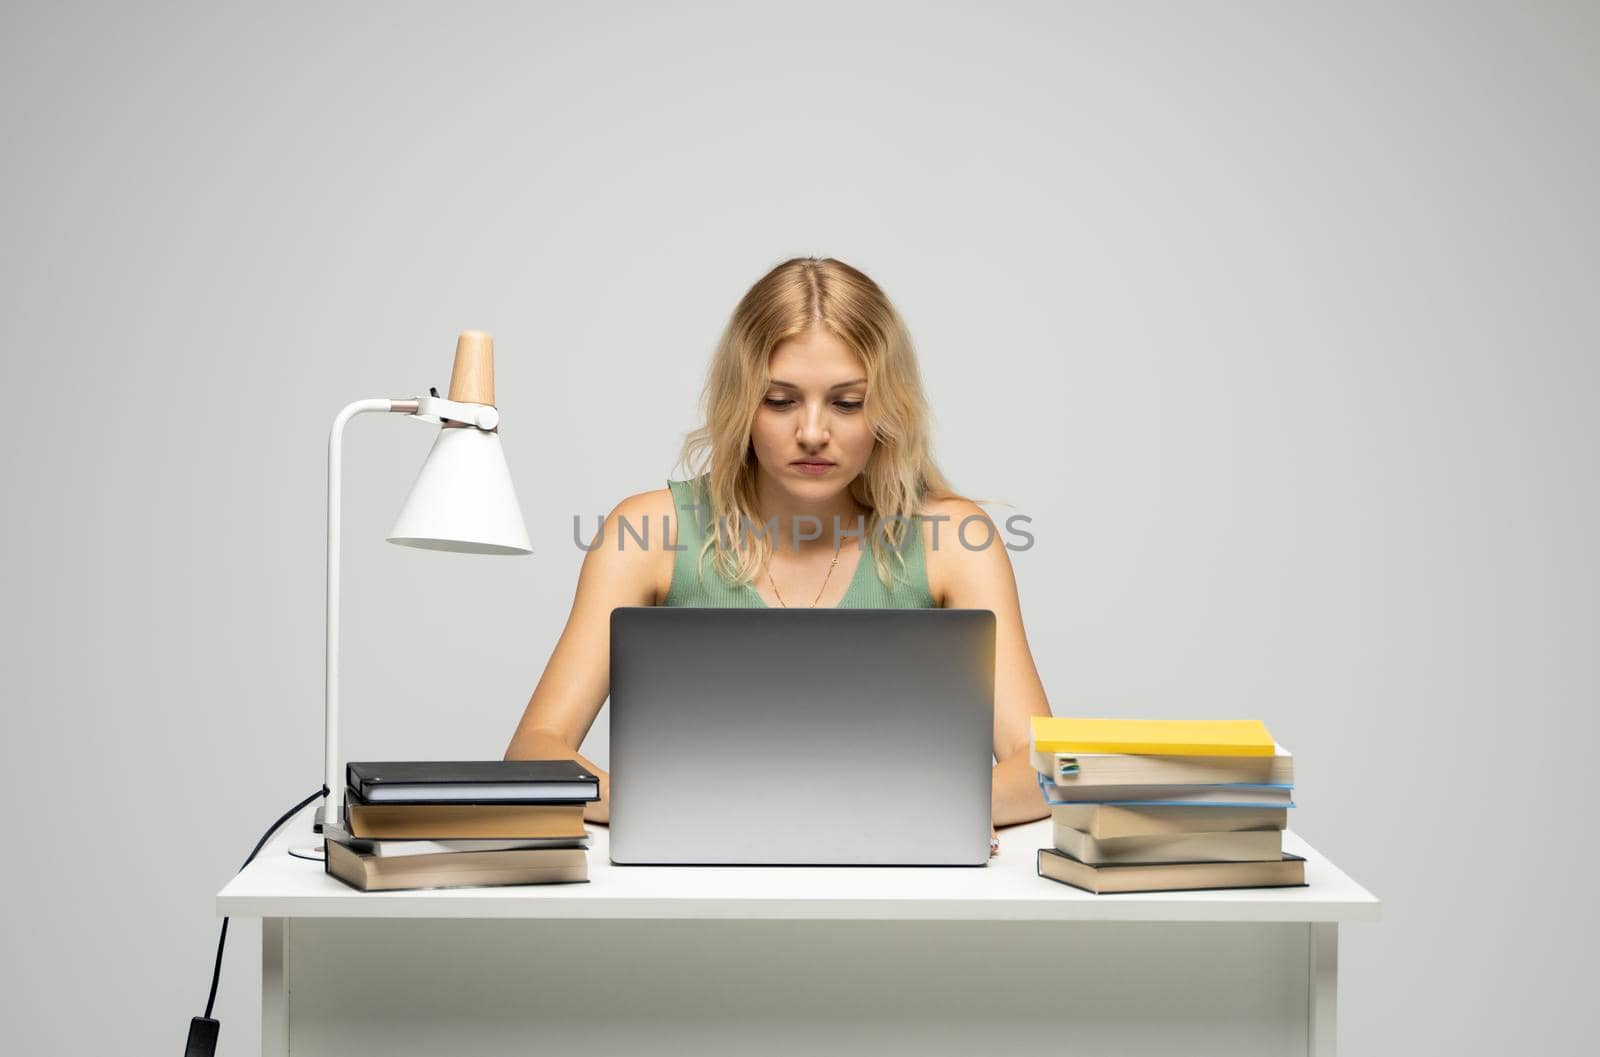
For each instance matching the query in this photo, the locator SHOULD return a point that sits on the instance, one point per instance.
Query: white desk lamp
(462, 501)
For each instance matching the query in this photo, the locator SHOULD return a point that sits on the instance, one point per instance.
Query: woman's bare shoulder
(955, 508)
(949, 536)
(657, 502)
(652, 530)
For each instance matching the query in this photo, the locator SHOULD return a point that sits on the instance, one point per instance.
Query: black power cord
(202, 1040)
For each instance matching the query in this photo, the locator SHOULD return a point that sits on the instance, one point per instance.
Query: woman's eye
(779, 403)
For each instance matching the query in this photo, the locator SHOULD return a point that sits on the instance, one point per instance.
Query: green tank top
(712, 590)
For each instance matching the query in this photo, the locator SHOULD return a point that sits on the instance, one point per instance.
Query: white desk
(795, 960)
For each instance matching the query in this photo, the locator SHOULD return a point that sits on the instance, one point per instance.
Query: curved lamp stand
(462, 500)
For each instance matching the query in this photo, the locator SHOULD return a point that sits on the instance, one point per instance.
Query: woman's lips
(812, 469)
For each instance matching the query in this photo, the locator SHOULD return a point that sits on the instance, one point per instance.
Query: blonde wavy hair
(900, 475)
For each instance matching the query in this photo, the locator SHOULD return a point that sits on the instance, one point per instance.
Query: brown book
(1244, 845)
(393, 849)
(521, 866)
(1104, 879)
(461, 821)
(1108, 821)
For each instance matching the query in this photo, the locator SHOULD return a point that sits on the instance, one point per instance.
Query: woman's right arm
(577, 677)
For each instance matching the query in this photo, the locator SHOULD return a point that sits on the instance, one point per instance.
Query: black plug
(202, 1037)
(203, 1030)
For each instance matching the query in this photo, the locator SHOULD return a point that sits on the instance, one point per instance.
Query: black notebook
(473, 782)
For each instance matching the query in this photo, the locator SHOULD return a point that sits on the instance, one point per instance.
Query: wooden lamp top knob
(472, 377)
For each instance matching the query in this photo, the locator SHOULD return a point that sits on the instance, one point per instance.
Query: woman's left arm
(980, 577)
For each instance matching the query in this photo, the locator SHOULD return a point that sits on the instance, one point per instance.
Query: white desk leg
(274, 987)
(1324, 997)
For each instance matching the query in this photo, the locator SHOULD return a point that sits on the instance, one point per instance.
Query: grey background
(1277, 320)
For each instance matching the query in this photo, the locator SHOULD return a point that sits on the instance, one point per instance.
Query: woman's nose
(813, 426)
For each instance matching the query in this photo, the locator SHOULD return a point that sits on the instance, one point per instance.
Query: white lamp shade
(462, 499)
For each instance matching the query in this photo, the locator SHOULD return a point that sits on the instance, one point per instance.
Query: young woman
(811, 484)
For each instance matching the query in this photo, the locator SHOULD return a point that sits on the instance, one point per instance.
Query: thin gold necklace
(821, 589)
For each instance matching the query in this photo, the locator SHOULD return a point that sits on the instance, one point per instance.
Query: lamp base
(327, 815)
(328, 823)
(334, 831)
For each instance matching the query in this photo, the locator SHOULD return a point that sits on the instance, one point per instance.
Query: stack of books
(443, 824)
(1165, 805)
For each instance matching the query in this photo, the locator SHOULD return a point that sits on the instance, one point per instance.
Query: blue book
(1218, 794)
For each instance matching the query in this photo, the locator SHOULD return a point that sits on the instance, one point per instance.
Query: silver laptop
(801, 736)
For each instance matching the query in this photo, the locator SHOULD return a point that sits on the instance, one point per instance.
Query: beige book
(1108, 821)
(461, 821)
(373, 873)
(1171, 795)
(1236, 846)
(1114, 768)
(1170, 877)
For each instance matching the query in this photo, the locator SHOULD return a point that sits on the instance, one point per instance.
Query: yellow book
(1159, 737)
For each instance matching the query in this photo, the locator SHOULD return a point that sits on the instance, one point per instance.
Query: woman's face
(811, 435)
